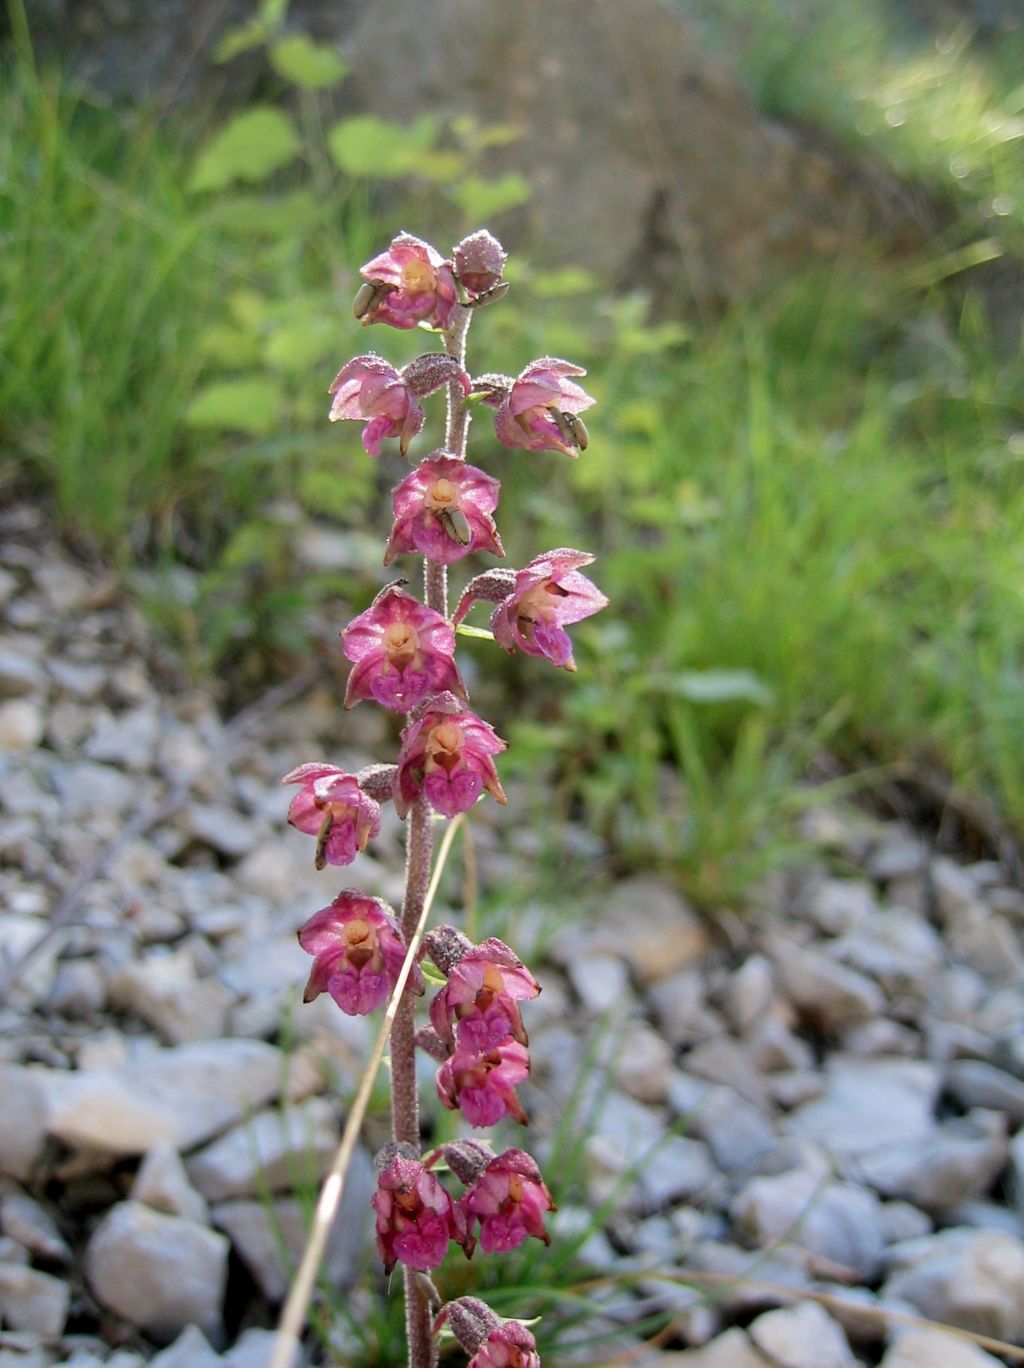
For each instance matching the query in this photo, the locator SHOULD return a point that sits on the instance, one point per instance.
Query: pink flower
(332, 807)
(443, 510)
(402, 651)
(446, 754)
(357, 952)
(415, 1217)
(481, 998)
(510, 1346)
(408, 283)
(539, 410)
(549, 594)
(369, 388)
(509, 1200)
(483, 1086)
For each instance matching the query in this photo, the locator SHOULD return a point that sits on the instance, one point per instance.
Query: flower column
(402, 652)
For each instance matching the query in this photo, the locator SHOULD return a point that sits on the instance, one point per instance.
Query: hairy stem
(405, 1123)
(457, 425)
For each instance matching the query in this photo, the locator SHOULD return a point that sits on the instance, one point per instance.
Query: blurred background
(786, 239)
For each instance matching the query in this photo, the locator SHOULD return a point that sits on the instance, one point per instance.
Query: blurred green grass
(808, 514)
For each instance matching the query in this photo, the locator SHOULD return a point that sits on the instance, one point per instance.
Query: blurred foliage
(808, 514)
(942, 104)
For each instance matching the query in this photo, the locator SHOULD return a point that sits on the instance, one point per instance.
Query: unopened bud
(447, 947)
(467, 1159)
(479, 262)
(429, 372)
(471, 1321)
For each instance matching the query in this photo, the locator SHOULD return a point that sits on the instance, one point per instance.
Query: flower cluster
(402, 651)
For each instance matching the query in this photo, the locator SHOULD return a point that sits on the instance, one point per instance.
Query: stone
(162, 1183)
(749, 992)
(79, 989)
(722, 1060)
(837, 1222)
(893, 945)
(25, 1220)
(84, 787)
(897, 856)
(1017, 1171)
(190, 1350)
(268, 1152)
(986, 942)
(835, 906)
(772, 1046)
(182, 1096)
(82, 681)
(664, 936)
(161, 1272)
(33, 1301)
(22, 1123)
(802, 1336)
(19, 673)
(903, 1221)
(128, 740)
(164, 991)
(952, 888)
(925, 1347)
(258, 1232)
(643, 1067)
(223, 828)
(973, 1279)
(679, 1005)
(731, 1350)
(737, 1131)
(22, 725)
(744, 1281)
(974, 1083)
(600, 980)
(870, 1104)
(953, 1164)
(827, 994)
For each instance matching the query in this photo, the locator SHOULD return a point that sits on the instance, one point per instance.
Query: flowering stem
(405, 1124)
(459, 413)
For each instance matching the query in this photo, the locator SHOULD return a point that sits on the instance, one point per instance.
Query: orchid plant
(402, 651)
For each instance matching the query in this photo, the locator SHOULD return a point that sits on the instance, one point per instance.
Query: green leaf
(249, 147)
(368, 146)
(250, 405)
(241, 38)
(479, 199)
(714, 686)
(305, 63)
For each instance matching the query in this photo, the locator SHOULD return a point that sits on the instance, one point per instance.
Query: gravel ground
(832, 1103)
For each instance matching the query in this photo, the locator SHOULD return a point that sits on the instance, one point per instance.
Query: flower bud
(479, 262)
